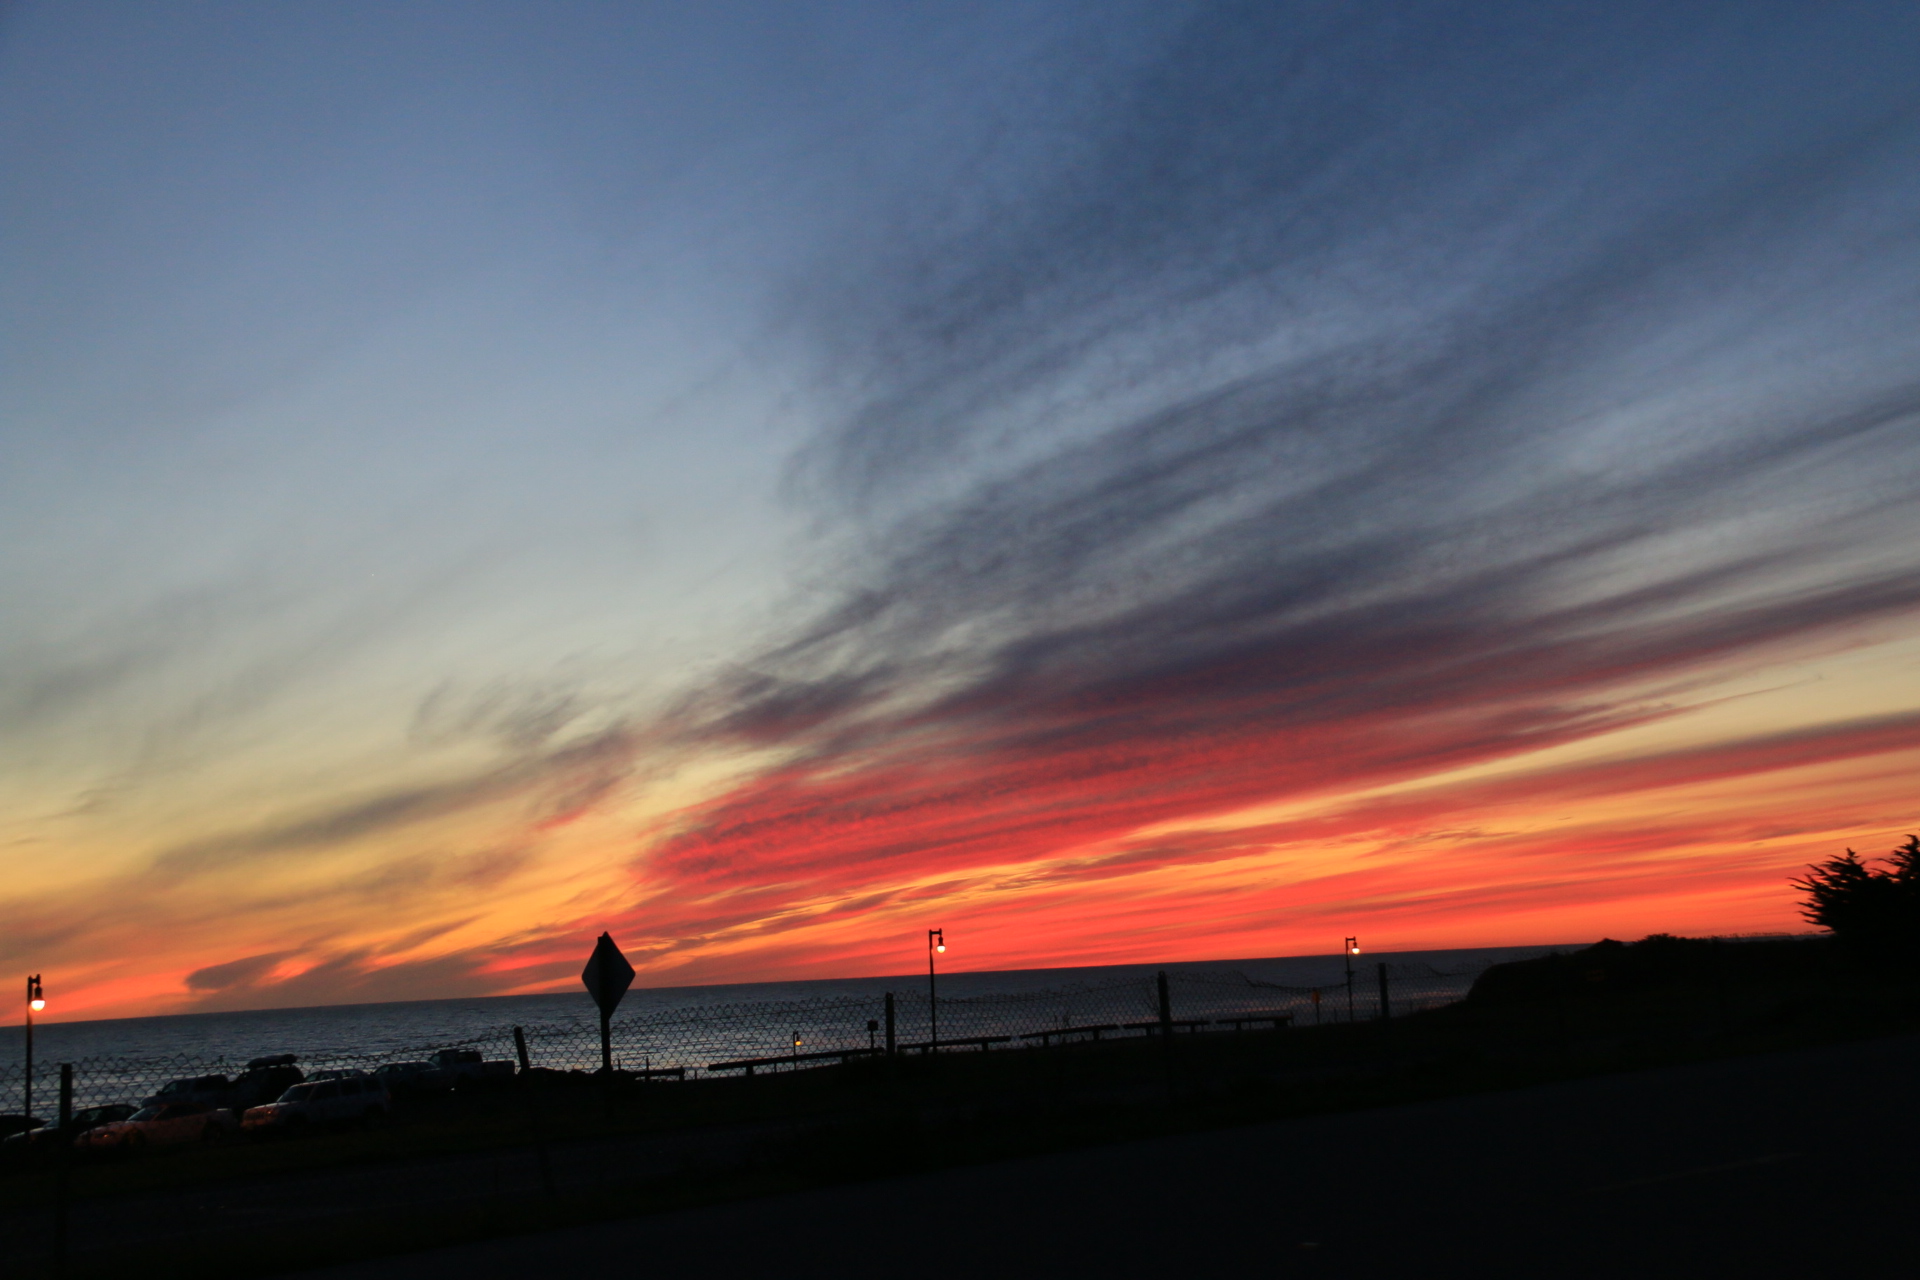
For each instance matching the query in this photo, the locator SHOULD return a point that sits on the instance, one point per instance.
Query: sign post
(607, 975)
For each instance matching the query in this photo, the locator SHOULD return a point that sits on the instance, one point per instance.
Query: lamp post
(35, 1003)
(1352, 948)
(936, 942)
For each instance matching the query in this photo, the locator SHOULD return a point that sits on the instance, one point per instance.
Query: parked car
(84, 1119)
(352, 1099)
(264, 1080)
(209, 1091)
(160, 1125)
(412, 1079)
(466, 1065)
(13, 1124)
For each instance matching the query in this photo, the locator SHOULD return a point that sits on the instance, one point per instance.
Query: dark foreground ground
(1673, 1107)
(1799, 1163)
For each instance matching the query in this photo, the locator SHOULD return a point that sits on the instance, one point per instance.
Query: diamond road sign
(607, 975)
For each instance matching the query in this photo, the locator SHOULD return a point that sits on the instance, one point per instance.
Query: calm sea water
(413, 1028)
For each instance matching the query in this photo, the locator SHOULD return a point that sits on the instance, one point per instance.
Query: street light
(1352, 948)
(936, 943)
(36, 1001)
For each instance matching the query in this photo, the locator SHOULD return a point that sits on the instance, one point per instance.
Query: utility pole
(35, 1003)
(1352, 948)
(936, 942)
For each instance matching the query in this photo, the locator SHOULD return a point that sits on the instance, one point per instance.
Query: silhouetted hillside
(1609, 967)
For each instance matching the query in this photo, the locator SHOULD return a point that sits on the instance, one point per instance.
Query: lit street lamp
(35, 1003)
(1352, 948)
(936, 942)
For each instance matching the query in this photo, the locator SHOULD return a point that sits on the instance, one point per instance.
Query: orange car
(163, 1124)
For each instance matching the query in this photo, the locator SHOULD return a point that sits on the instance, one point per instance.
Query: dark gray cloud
(1359, 364)
(1522, 296)
(557, 783)
(354, 977)
(1212, 402)
(234, 973)
(1393, 182)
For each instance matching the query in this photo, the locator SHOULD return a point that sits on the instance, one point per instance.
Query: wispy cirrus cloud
(558, 783)
(349, 977)
(1243, 463)
(1338, 413)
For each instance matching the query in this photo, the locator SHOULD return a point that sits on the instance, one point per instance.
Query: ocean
(753, 1011)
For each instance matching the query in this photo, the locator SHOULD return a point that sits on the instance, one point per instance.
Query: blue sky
(757, 473)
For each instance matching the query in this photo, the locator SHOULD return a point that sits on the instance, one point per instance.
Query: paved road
(1801, 1164)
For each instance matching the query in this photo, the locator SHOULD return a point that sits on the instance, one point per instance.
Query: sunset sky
(1118, 481)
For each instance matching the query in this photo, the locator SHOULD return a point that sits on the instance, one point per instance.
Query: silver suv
(208, 1091)
(357, 1098)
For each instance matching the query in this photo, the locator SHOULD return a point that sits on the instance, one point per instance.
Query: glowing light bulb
(36, 1005)
(942, 947)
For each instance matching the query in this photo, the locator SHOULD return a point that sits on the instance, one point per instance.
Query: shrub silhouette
(1875, 910)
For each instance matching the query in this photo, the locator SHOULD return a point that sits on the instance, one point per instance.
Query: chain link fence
(703, 1040)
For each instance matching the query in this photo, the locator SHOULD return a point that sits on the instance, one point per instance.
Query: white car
(466, 1064)
(162, 1124)
(211, 1091)
(348, 1099)
(415, 1078)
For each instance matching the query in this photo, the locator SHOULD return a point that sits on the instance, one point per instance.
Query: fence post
(606, 1060)
(63, 1154)
(889, 1024)
(1386, 1010)
(1719, 987)
(533, 1110)
(1166, 1032)
(1563, 1040)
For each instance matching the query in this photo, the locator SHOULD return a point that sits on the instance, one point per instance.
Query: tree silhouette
(1876, 910)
